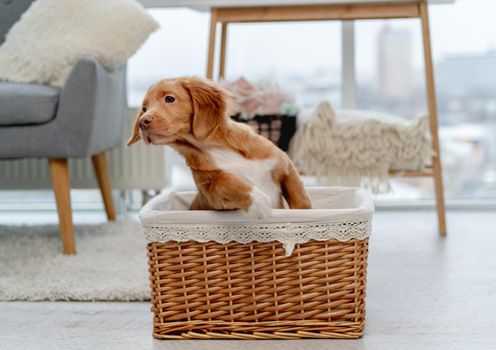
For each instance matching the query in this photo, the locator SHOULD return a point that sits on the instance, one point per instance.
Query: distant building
(467, 74)
(395, 63)
(466, 88)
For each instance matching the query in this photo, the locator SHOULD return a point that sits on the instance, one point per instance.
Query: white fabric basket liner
(340, 213)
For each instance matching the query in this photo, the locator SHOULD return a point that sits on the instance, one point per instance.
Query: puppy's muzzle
(145, 122)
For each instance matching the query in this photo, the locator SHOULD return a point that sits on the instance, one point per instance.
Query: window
(305, 58)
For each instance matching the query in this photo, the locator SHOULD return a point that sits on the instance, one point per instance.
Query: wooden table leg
(223, 45)
(433, 122)
(211, 43)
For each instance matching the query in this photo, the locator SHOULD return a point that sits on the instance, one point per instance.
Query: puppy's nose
(145, 122)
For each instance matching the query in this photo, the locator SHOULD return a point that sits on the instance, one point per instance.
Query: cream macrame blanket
(354, 148)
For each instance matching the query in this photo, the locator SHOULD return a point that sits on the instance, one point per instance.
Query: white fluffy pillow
(52, 34)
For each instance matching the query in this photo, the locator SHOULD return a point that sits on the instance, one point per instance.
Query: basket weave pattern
(252, 291)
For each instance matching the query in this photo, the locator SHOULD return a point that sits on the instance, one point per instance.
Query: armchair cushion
(27, 103)
(89, 118)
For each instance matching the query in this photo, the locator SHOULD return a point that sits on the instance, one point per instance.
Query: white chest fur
(256, 172)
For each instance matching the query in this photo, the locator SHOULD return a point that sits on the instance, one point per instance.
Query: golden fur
(197, 120)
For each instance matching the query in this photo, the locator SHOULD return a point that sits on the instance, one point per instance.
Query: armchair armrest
(92, 108)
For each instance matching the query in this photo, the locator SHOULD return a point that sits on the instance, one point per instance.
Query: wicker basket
(236, 290)
(279, 128)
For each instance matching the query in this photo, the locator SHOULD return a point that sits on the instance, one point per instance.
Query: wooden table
(341, 10)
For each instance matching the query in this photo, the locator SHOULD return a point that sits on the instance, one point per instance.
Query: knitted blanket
(356, 148)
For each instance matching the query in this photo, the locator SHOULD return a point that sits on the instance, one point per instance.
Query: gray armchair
(83, 119)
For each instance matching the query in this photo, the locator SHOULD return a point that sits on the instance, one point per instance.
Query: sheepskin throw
(51, 35)
(355, 148)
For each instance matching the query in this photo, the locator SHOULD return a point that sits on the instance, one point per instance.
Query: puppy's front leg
(224, 191)
(293, 189)
(260, 204)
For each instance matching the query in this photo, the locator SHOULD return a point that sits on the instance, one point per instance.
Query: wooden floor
(424, 292)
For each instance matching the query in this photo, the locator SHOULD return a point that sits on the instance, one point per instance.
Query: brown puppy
(233, 167)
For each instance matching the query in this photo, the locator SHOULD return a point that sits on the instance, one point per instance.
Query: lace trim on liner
(288, 234)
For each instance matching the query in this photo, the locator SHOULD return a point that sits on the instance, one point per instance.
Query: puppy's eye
(169, 99)
(143, 109)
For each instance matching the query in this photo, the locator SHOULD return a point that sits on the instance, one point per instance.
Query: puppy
(232, 166)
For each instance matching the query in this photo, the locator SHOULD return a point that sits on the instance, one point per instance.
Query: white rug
(111, 263)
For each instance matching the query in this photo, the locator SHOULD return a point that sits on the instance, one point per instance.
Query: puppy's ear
(211, 104)
(136, 135)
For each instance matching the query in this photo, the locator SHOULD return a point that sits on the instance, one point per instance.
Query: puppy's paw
(260, 207)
